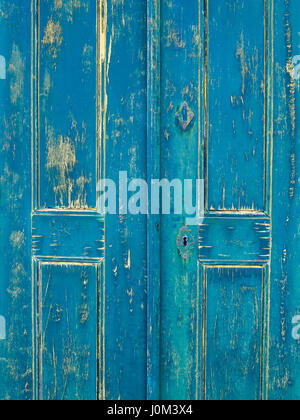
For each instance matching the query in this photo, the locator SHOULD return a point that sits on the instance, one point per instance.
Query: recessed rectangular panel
(234, 325)
(67, 327)
(67, 104)
(59, 235)
(242, 239)
(235, 96)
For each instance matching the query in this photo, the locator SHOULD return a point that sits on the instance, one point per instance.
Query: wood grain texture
(180, 48)
(53, 236)
(107, 308)
(15, 202)
(219, 64)
(125, 140)
(235, 105)
(68, 313)
(235, 239)
(234, 333)
(154, 222)
(238, 161)
(284, 380)
(67, 231)
(67, 95)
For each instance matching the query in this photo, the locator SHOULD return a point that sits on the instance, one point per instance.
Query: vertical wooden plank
(125, 143)
(284, 382)
(180, 158)
(153, 226)
(247, 58)
(15, 200)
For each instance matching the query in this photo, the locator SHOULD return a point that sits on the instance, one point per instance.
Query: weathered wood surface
(15, 202)
(179, 159)
(126, 235)
(53, 236)
(106, 307)
(234, 333)
(68, 338)
(153, 222)
(240, 239)
(284, 379)
(236, 97)
(225, 66)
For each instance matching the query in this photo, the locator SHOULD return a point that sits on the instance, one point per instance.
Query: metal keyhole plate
(185, 242)
(184, 116)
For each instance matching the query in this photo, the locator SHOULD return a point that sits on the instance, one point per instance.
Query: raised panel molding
(69, 331)
(67, 118)
(233, 296)
(237, 93)
(68, 233)
(72, 236)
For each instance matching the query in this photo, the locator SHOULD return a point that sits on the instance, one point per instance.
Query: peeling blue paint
(2, 328)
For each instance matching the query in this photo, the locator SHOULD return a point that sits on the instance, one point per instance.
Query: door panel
(53, 236)
(223, 239)
(15, 202)
(235, 104)
(223, 79)
(108, 307)
(89, 111)
(68, 348)
(212, 46)
(234, 331)
(125, 134)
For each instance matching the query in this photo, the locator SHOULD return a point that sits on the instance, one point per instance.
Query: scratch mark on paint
(240, 54)
(2, 68)
(17, 239)
(2, 328)
(47, 83)
(53, 37)
(87, 58)
(128, 263)
(16, 69)
(173, 36)
(61, 156)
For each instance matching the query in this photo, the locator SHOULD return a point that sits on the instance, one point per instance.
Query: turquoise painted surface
(125, 246)
(67, 321)
(67, 97)
(246, 106)
(15, 203)
(235, 109)
(285, 375)
(234, 333)
(179, 159)
(106, 308)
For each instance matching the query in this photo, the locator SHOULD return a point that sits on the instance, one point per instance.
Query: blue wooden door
(229, 312)
(73, 107)
(95, 307)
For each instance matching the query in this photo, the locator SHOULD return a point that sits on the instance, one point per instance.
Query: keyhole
(185, 241)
